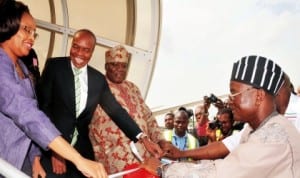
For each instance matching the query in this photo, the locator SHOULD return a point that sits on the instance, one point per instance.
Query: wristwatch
(159, 171)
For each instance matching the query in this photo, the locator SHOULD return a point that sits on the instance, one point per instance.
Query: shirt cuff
(141, 135)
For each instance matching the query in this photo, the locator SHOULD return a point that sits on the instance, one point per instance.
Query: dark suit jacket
(57, 100)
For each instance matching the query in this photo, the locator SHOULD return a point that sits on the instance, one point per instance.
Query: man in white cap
(110, 144)
(269, 145)
(221, 149)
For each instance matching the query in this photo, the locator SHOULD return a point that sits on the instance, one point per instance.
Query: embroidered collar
(274, 113)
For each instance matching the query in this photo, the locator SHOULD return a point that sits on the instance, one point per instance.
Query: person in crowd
(254, 83)
(70, 90)
(169, 120)
(298, 91)
(226, 121)
(32, 63)
(213, 131)
(201, 114)
(23, 126)
(222, 126)
(110, 144)
(293, 111)
(179, 136)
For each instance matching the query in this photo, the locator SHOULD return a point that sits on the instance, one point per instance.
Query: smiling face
(20, 44)
(82, 48)
(226, 122)
(243, 105)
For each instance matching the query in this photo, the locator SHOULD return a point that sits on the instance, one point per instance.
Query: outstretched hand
(170, 151)
(91, 168)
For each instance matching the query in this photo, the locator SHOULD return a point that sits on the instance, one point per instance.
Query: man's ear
(106, 66)
(260, 95)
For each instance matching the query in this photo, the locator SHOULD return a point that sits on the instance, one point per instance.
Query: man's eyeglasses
(231, 96)
(29, 31)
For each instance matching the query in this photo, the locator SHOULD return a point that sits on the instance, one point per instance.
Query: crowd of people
(205, 130)
(179, 135)
(71, 120)
(260, 93)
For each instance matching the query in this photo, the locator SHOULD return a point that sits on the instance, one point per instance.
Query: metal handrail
(9, 171)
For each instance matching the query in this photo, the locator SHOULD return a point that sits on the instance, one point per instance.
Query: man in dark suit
(72, 117)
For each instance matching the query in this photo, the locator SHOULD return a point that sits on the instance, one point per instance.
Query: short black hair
(188, 111)
(11, 12)
(226, 111)
(170, 113)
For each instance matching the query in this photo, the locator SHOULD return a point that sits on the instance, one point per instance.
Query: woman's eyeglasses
(29, 31)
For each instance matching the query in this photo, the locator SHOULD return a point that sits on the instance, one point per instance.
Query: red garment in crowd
(201, 129)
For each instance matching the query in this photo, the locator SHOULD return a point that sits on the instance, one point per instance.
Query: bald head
(82, 48)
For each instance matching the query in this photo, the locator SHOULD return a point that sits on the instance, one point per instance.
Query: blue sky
(201, 39)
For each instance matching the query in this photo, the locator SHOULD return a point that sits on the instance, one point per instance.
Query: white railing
(9, 171)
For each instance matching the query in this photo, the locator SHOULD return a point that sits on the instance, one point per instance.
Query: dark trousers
(72, 171)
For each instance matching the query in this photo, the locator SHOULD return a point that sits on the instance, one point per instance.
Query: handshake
(155, 166)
